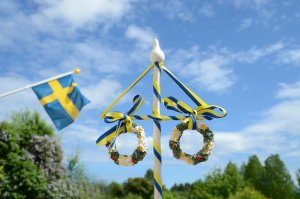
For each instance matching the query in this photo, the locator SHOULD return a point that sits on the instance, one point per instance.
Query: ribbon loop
(124, 122)
(204, 110)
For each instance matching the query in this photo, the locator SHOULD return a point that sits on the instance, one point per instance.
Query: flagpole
(76, 71)
(157, 56)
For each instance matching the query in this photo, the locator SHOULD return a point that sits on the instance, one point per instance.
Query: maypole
(157, 56)
(190, 120)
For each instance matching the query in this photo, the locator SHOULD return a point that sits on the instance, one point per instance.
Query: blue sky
(241, 55)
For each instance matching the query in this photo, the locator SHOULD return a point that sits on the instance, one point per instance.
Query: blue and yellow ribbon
(124, 122)
(173, 104)
(205, 111)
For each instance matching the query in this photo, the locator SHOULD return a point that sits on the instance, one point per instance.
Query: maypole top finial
(157, 55)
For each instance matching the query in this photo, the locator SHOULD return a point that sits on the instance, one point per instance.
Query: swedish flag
(61, 99)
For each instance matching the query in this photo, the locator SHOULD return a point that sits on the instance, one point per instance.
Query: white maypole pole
(157, 56)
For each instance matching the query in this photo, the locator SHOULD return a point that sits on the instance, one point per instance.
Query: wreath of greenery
(200, 156)
(138, 154)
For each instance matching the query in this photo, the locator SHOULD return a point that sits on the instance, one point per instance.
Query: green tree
(75, 168)
(139, 186)
(31, 158)
(22, 177)
(149, 175)
(1, 177)
(253, 172)
(298, 181)
(298, 177)
(116, 190)
(211, 188)
(247, 193)
(232, 179)
(133, 196)
(218, 185)
(173, 195)
(277, 182)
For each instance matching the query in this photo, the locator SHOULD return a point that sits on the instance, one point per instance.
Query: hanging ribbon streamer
(126, 90)
(124, 122)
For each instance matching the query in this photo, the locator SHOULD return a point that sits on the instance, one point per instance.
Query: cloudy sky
(241, 55)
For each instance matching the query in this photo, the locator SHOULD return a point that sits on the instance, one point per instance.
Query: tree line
(31, 166)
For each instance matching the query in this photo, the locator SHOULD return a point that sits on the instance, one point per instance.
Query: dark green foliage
(22, 178)
(247, 193)
(139, 186)
(298, 177)
(253, 172)
(277, 182)
(298, 181)
(232, 179)
(116, 189)
(149, 176)
(218, 184)
(211, 187)
(32, 159)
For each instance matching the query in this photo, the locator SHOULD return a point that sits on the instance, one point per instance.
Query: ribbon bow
(204, 110)
(124, 122)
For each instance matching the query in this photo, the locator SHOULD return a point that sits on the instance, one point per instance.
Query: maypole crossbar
(125, 125)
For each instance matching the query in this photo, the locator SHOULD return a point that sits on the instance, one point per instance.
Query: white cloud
(78, 13)
(94, 57)
(208, 69)
(187, 11)
(20, 101)
(177, 10)
(271, 132)
(289, 90)
(254, 54)
(254, 4)
(211, 68)
(290, 57)
(102, 93)
(143, 36)
(84, 133)
(207, 10)
(211, 73)
(246, 23)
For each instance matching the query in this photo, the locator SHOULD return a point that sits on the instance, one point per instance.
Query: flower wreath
(201, 155)
(138, 154)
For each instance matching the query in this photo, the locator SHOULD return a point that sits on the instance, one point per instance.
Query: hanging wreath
(201, 155)
(138, 154)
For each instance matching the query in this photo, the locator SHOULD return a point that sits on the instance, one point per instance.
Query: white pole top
(157, 55)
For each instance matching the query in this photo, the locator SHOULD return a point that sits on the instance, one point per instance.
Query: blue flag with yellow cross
(61, 99)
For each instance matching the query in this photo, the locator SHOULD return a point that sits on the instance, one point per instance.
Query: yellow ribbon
(124, 122)
(204, 110)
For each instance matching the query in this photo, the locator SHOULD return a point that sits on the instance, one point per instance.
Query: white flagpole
(156, 56)
(76, 71)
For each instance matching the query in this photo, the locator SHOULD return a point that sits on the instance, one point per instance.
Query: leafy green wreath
(200, 156)
(138, 154)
